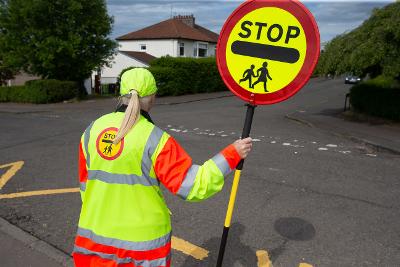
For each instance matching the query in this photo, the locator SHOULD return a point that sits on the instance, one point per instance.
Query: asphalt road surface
(306, 195)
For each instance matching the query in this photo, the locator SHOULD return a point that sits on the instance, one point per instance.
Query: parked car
(351, 79)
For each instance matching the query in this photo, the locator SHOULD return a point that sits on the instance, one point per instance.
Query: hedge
(40, 92)
(179, 76)
(377, 97)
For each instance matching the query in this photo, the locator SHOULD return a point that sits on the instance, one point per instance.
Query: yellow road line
(15, 167)
(189, 249)
(263, 259)
(39, 193)
(305, 265)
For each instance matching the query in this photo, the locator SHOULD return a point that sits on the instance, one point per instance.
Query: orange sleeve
(172, 165)
(82, 169)
(231, 156)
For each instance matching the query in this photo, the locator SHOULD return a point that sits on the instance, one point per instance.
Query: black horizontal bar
(107, 141)
(271, 52)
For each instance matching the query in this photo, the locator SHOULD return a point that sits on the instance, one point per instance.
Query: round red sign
(267, 50)
(105, 146)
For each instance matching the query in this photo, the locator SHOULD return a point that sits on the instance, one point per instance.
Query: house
(179, 36)
(176, 37)
(21, 78)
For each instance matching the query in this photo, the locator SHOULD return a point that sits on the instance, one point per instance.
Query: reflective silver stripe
(128, 245)
(83, 186)
(113, 178)
(149, 149)
(222, 164)
(86, 138)
(113, 257)
(153, 263)
(188, 181)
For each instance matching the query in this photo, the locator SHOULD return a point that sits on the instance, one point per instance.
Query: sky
(333, 18)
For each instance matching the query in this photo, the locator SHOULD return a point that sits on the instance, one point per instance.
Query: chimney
(187, 19)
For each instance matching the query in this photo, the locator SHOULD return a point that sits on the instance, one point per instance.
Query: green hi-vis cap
(138, 79)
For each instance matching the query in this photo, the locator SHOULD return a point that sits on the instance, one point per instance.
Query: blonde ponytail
(132, 115)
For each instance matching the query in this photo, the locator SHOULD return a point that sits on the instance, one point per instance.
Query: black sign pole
(235, 185)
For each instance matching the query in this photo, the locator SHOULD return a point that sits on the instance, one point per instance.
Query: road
(306, 195)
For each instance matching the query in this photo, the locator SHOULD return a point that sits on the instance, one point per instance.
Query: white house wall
(120, 62)
(157, 48)
(211, 49)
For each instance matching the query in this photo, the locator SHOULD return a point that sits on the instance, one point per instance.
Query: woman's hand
(243, 146)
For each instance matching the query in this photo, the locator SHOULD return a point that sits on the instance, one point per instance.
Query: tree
(373, 48)
(59, 39)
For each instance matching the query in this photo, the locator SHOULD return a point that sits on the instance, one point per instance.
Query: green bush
(378, 97)
(40, 92)
(178, 76)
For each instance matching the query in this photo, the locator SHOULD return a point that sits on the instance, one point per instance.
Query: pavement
(317, 187)
(19, 248)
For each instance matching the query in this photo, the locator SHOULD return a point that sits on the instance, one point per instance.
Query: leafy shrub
(40, 92)
(378, 97)
(178, 76)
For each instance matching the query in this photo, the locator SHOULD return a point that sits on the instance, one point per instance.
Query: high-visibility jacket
(124, 220)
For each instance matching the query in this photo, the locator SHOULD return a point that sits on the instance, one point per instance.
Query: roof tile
(141, 56)
(172, 29)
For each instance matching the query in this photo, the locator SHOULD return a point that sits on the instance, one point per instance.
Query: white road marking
(275, 140)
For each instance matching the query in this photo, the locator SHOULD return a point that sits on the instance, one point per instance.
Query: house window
(181, 49)
(202, 50)
(143, 47)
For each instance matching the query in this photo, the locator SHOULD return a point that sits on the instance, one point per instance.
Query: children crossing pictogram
(105, 147)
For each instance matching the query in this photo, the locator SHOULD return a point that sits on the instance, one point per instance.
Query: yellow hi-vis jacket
(124, 220)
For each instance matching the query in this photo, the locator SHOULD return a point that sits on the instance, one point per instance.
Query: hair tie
(133, 91)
